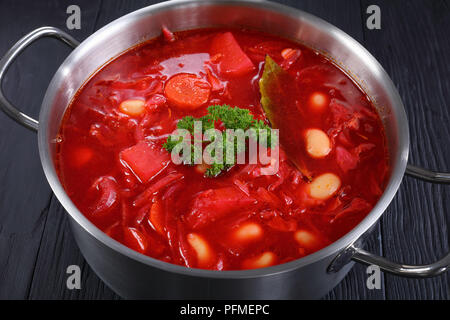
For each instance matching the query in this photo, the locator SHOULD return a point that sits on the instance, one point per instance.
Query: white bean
(132, 107)
(248, 232)
(324, 186)
(264, 260)
(318, 101)
(306, 239)
(201, 248)
(318, 144)
(201, 168)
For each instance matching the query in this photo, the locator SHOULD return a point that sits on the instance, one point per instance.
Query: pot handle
(356, 253)
(427, 175)
(12, 54)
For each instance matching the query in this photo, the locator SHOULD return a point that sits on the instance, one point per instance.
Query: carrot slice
(187, 91)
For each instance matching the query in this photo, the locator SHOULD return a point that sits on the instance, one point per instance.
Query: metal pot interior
(286, 22)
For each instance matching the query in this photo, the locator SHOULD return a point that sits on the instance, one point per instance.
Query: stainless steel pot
(133, 275)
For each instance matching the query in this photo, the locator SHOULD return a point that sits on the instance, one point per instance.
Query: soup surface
(113, 165)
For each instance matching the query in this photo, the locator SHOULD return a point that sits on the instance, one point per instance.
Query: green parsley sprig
(231, 118)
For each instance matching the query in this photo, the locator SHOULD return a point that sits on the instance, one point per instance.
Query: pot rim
(398, 165)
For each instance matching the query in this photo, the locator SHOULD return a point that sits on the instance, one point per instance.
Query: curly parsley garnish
(228, 118)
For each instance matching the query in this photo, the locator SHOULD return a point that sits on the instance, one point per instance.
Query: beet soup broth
(113, 162)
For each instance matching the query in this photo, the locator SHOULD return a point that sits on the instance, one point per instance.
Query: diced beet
(145, 160)
(232, 60)
(363, 148)
(213, 204)
(348, 160)
(340, 114)
(345, 159)
(345, 139)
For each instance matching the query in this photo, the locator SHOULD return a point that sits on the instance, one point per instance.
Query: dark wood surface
(36, 244)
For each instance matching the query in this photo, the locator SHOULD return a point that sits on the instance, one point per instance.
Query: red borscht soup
(113, 160)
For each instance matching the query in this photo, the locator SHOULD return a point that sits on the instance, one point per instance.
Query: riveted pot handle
(411, 271)
(355, 253)
(427, 175)
(12, 54)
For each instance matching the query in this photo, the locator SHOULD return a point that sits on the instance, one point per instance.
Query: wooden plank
(48, 278)
(346, 15)
(413, 46)
(111, 10)
(58, 251)
(24, 192)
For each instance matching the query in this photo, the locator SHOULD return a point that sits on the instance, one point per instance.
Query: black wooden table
(36, 244)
